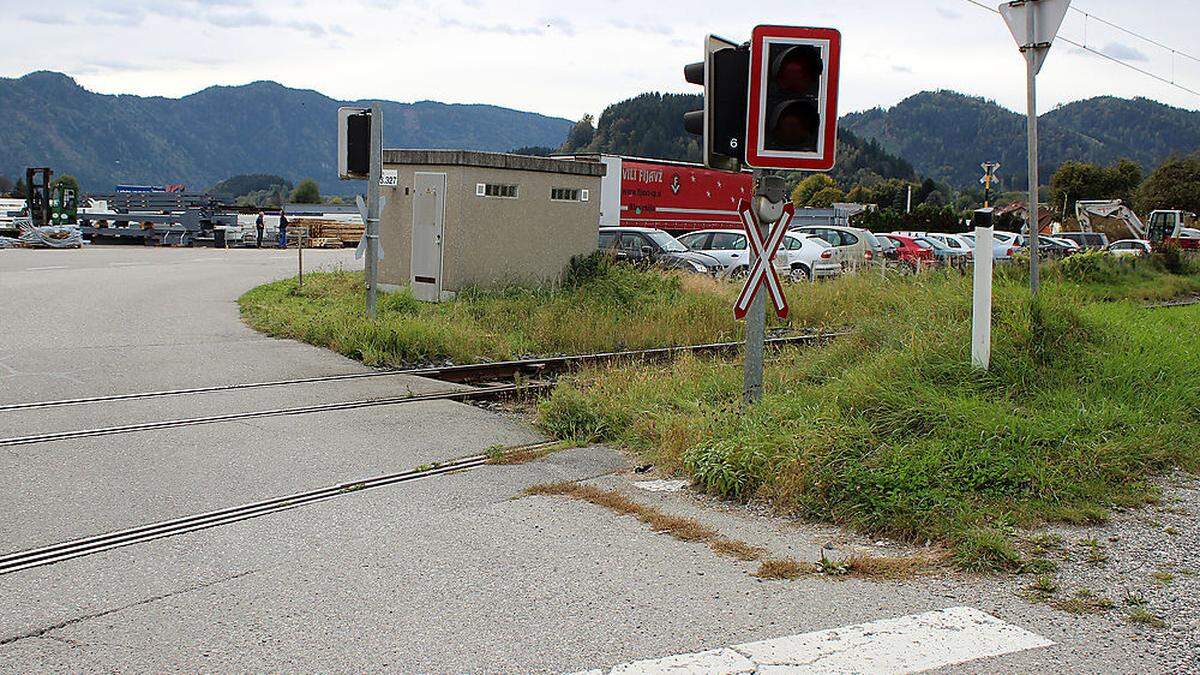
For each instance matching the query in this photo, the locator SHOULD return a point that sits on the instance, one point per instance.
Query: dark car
(1093, 241)
(648, 246)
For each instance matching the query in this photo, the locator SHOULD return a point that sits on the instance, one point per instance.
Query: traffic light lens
(794, 126)
(796, 69)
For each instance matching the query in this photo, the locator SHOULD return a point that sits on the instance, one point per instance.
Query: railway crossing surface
(444, 569)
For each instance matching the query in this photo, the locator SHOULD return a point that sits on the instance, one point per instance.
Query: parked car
(954, 242)
(1001, 250)
(800, 256)
(1056, 248)
(1128, 247)
(910, 254)
(853, 246)
(648, 246)
(1092, 241)
(943, 254)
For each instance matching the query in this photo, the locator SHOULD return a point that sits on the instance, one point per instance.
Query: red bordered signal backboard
(765, 41)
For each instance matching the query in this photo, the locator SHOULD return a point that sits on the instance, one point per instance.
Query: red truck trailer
(667, 195)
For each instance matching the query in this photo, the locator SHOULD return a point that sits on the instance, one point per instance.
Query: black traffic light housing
(724, 75)
(354, 143)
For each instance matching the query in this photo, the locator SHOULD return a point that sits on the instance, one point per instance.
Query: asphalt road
(451, 574)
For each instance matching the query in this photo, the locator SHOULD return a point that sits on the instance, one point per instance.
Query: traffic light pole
(372, 224)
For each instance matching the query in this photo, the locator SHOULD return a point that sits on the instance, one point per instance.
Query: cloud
(479, 27)
(947, 13)
(46, 18)
(897, 68)
(1123, 52)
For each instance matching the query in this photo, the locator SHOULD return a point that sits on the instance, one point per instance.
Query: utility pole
(1034, 25)
(372, 224)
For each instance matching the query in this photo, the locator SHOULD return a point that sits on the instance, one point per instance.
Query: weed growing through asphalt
(1163, 578)
(770, 567)
(1084, 601)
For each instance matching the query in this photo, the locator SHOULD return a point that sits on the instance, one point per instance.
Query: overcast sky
(567, 58)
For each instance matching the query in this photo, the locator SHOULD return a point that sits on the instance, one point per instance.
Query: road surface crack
(43, 631)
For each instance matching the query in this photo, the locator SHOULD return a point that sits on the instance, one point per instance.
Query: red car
(910, 251)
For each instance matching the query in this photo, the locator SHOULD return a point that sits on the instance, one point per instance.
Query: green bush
(1091, 267)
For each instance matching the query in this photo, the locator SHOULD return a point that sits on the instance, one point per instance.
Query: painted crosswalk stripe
(907, 644)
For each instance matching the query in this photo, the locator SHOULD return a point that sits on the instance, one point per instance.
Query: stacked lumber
(319, 228)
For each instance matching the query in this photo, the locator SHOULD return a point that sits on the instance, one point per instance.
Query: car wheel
(798, 274)
(739, 273)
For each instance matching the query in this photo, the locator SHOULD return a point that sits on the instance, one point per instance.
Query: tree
(68, 181)
(6, 185)
(827, 198)
(580, 136)
(1173, 186)
(860, 195)
(307, 192)
(1074, 181)
(807, 188)
(20, 191)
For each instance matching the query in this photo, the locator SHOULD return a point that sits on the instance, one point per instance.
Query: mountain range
(47, 119)
(946, 135)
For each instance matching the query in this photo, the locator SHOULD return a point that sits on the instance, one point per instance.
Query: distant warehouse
(456, 218)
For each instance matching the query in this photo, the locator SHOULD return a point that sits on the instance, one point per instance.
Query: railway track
(77, 548)
(533, 371)
(469, 373)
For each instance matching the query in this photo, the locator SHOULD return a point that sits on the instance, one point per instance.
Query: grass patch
(780, 569)
(1141, 616)
(889, 432)
(600, 308)
(1084, 602)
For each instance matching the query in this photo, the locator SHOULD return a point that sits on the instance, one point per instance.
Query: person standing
(260, 224)
(283, 225)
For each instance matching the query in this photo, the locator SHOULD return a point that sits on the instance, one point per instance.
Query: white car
(956, 243)
(1127, 247)
(800, 256)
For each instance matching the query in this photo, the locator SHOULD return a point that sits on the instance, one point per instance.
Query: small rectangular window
(564, 195)
(496, 190)
(583, 195)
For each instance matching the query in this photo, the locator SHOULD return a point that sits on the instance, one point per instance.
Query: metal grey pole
(372, 224)
(1031, 53)
(756, 323)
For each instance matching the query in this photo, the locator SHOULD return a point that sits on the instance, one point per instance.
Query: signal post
(768, 104)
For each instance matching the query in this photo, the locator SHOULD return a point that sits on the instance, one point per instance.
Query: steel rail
(479, 394)
(54, 553)
(460, 373)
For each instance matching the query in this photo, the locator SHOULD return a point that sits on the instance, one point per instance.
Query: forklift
(49, 204)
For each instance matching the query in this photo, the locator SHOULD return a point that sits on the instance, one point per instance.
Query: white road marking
(907, 644)
(48, 267)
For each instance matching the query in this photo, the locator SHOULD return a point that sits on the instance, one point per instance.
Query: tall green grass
(601, 308)
(889, 431)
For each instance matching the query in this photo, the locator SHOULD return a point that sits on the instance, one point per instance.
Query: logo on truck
(675, 184)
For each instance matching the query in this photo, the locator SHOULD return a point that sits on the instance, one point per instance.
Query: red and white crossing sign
(763, 273)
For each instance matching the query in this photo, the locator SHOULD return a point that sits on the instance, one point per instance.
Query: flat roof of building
(492, 160)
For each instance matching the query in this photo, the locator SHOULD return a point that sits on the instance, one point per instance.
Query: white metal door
(429, 213)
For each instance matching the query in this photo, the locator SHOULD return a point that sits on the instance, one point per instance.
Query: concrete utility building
(457, 218)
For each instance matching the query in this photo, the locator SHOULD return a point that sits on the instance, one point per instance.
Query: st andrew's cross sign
(764, 252)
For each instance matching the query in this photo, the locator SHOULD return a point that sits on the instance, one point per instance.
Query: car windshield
(666, 242)
(925, 244)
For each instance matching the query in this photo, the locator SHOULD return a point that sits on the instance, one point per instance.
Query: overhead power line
(1139, 36)
(1114, 59)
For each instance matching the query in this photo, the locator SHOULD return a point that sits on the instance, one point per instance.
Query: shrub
(1091, 267)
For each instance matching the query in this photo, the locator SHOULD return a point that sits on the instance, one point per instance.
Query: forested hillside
(947, 135)
(651, 125)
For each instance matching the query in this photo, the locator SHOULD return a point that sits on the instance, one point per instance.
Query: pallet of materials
(345, 232)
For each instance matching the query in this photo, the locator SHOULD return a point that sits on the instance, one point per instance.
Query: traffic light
(792, 109)
(722, 122)
(354, 143)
